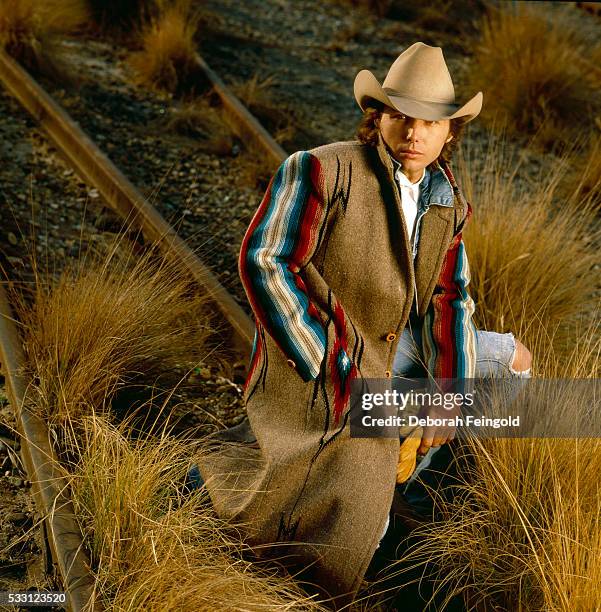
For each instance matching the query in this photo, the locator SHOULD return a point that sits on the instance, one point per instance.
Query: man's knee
(522, 359)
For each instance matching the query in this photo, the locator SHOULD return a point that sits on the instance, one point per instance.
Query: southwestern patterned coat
(329, 271)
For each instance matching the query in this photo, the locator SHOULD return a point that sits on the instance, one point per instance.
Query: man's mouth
(410, 153)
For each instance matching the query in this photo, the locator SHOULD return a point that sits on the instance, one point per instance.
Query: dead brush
(583, 180)
(151, 548)
(531, 72)
(30, 31)
(257, 95)
(106, 324)
(201, 120)
(530, 248)
(167, 61)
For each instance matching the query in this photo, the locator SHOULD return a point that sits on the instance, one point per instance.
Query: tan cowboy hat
(417, 84)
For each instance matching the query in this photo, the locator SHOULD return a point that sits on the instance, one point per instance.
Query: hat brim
(367, 87)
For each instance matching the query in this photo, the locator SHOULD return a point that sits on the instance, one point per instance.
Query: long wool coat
(329, 272)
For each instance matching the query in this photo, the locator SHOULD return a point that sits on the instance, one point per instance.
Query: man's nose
(413, 131)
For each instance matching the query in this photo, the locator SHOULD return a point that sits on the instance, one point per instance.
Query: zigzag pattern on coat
(340, 193)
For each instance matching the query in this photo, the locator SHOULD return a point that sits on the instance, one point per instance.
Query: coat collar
(436, 187)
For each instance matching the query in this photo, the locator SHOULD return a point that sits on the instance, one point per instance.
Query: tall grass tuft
(30, 31)
(107, 323)
(153, 549)
(523, 531)
(207, 123)
(530, 246)
(258, 96)
(167, 59)
(532, 73)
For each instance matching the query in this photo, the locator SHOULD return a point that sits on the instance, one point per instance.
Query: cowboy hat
(417, 84)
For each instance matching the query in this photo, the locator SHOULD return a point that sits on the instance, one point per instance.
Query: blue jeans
(494, 355)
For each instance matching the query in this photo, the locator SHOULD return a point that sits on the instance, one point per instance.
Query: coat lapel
(392, 197)
(435, 237)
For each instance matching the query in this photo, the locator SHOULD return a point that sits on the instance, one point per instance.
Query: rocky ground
(196, 191)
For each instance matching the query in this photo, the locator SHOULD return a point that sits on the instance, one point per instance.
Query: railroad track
(592, 8)
(96, 169)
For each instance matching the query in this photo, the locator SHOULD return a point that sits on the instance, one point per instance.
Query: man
(341, 266)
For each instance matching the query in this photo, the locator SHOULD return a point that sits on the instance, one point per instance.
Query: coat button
(391, 337)
(387, 373)
(291, 363)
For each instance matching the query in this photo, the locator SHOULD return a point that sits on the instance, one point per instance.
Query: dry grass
(532, 74)
(201, 120)
(30, 31)
(154, 550)
(113, 320)
(260, 99)
(105, 324)
(524, 531)
(167, 59)
(253, 168)
(214, 131)
(584, 179)
(532, 252)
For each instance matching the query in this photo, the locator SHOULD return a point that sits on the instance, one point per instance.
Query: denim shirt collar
(435, 188)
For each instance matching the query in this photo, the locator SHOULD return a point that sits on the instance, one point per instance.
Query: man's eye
(399, 117)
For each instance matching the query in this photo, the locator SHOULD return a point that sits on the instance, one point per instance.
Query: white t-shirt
(409, 197)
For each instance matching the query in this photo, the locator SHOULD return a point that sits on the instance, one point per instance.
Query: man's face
(404, 135)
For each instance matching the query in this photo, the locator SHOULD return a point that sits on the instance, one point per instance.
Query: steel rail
(244, 120)
(592, 8)
(50, 489)
(96, 169)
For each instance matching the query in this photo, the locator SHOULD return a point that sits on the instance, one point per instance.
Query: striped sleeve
(449, 334)
(281, 239)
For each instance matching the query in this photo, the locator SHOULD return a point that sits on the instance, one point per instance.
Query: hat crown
(420, 72)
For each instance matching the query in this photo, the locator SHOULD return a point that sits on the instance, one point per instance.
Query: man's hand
(437, 435)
